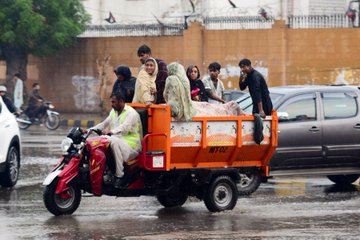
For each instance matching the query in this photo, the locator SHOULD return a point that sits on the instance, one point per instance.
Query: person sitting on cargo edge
(123, 125)
(258, 88)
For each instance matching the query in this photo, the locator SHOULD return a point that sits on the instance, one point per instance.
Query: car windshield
(245, 101)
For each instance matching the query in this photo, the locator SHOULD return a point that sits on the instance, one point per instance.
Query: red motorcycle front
(87, 164)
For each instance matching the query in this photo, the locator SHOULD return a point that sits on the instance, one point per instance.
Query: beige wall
(81, 76)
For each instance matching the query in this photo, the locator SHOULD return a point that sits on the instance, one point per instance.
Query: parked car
(233, 95)
(9, 147)
(319, 133)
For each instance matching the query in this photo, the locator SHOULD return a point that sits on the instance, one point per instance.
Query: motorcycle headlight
(66, 144)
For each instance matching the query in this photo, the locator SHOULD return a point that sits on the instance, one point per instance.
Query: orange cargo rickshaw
(202, 158)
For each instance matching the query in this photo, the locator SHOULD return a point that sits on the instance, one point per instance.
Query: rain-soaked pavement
(283, 208)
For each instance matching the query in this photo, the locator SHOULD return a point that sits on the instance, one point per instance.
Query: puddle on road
(47, 151)
(40, 160)
(281, 209)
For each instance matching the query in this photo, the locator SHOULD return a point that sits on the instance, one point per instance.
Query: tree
(37, 27)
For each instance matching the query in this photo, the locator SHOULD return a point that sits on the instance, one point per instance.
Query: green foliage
(41, 27)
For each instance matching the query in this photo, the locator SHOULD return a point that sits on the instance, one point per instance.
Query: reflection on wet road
(283, 208)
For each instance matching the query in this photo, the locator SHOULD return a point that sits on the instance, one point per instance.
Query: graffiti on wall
(86, 97)
(311, 76)
(347, 76)
(299, 76)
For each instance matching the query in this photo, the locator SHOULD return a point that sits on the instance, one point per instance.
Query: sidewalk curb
(79, 123)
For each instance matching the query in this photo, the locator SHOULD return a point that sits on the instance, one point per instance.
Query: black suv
(319, 133)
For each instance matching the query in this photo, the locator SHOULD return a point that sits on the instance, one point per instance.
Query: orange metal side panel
(159, 119)
(211, 141)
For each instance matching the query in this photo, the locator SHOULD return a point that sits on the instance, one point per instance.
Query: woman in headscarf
(145, 87)
(198, 92)
(177, 94)
(125, 83)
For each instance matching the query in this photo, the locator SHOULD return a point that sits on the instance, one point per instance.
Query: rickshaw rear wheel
(221, 194)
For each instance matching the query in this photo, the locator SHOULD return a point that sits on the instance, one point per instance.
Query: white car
(9, 147)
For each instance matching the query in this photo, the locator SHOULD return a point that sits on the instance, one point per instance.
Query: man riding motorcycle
(123, 125)
(35, 103)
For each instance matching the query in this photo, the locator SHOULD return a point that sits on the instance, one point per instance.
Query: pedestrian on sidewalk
(18, 91)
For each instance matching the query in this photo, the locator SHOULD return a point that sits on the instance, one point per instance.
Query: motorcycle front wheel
(62, 204)
(22, 124)
(52, 122)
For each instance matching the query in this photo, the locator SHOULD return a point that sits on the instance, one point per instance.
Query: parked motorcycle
(48, 117)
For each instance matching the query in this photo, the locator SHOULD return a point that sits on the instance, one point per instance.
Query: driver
(35, 103)
(124, 127)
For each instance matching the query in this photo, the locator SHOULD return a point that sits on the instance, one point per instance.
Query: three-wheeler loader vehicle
(202, 158)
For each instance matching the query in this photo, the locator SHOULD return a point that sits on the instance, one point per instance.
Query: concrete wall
(81, 78)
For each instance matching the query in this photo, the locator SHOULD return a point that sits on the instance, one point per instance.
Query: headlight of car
(66, 144)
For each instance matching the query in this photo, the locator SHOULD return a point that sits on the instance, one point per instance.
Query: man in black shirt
(258, 88)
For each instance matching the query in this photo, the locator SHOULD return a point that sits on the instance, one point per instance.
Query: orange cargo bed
(209, 141)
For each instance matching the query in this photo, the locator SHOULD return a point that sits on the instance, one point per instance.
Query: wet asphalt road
(283, 208)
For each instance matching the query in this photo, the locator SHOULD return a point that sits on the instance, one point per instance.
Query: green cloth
(177, 93)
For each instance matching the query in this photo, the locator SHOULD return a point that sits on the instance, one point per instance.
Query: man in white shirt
(213, 85)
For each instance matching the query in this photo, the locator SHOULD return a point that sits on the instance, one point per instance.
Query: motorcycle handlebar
(95, 130)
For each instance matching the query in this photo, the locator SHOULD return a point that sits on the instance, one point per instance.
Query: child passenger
(145, 87)
(198, 92)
